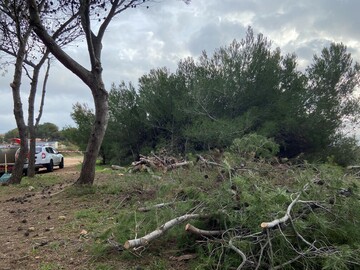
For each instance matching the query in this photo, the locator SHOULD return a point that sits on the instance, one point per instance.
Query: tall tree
(83, 117)
(47, 131)
(162, 98)
(84, 10)
(332, 80)
(14, 25)
(126, 133)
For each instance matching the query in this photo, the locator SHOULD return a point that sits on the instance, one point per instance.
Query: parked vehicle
(7, 158)
(47, 157)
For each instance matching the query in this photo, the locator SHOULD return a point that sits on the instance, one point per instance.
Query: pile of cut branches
(161, 162)
(252, 221)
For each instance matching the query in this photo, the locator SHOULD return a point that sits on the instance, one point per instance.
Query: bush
(345, 151)
(255, 146)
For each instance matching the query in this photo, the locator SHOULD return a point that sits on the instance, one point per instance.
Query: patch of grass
(75, 191)
(55, 245)
(41, 180)
(104, 266)
(50, 266)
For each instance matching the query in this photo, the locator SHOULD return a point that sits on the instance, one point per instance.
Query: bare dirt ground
(40, 229)
(33, 226)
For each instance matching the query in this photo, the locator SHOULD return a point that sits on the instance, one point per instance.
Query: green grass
(238, 204)
(50, 266)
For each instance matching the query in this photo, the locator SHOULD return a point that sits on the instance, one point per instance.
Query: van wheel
(50, 166)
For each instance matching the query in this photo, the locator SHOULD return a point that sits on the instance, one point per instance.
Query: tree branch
(276, 222)
(143, 241)
(192, 229)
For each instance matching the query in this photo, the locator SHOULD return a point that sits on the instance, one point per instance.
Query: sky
(142, 39)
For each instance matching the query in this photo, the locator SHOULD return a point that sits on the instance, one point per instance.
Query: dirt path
(34, 233)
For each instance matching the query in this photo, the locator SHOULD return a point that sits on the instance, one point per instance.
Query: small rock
(62, 217)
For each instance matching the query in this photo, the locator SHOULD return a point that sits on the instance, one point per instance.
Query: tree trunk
(32, 147)
(100, 96)
(17, 172)
(31, 127)
(19, 117)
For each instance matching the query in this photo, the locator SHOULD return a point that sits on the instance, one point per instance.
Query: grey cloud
(214, 36)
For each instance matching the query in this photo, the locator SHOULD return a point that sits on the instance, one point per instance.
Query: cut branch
(143, 241)
(192, 229)
(207, 162)
(276, 222)
(179, 164)
(238, 251)
(160, 205)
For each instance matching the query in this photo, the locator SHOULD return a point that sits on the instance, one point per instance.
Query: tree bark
(192, 229)
(17, 172)
(87, 174)
(31, 125)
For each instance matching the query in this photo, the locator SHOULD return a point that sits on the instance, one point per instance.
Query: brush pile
(161, 162)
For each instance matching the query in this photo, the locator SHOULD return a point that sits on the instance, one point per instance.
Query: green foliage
(14, 133)
(243, 88)
(45, 131)
(126, 133)
(163, 99)
(344, 151)
(254, 145)
(84, 117)
(48, 131)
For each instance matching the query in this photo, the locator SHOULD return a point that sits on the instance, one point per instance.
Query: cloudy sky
(141, 39)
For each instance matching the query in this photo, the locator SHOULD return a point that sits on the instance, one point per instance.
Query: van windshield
(37, 150)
